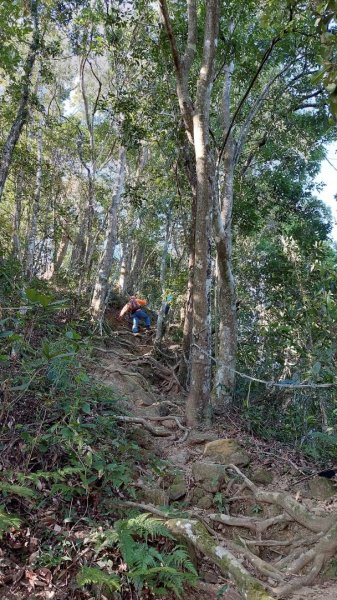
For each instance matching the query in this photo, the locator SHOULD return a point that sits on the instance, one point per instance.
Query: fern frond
(17, 490)
(162, 570)
(180, 558)
(146, 564)
(128, 548)
(107, 539)
(7, 521)
(145, 525)
(94, 575)
(55, 476)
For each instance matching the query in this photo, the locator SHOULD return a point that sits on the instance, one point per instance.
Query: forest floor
(216, 488)
(146, 377)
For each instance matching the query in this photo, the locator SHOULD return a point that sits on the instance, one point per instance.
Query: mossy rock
(321, 488)
(154, 496)
(262, 475)
(143, 438)
(197, 438)
(205, 502)
(196, 495)
(226, 451)
(178, 487)
(331, 570)
(210, 476)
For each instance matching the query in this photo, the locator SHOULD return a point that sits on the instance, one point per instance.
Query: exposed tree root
(195, 534)
(258, 526)
(299, 559)
(312, 560)
(323, 551)
(169, 418)
(293, 508)
(153, 430)
(307, 555)
(167, 376)
(146, 425)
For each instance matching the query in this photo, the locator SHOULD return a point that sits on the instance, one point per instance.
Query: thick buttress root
(193, 532)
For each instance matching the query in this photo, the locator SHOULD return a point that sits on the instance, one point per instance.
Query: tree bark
(182, 69)
(22, 112)
(82, 256)
(199, 394)
(16, 244)
(137, 262)
(224, 380)
(124, 268)
(99, 297)
(184, 366)
(196, 121)
(162, 279)
(32, 233)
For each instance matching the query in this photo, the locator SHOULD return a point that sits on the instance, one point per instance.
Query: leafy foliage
(146, 564)
(94, 575)
(7, 521)
(17, 490)
(78, 459)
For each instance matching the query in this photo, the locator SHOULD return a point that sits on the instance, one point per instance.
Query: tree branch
(253, 111)
(247, 92)
(182, 66)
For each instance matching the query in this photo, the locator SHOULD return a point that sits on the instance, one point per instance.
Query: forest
(168, 308)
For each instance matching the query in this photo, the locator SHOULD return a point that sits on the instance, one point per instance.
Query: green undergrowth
(302, 419)
(67, 466)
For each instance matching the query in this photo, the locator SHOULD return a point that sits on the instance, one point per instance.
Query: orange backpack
(134, 305)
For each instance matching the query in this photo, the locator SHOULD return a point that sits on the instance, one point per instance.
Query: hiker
(167, 308)
(134, 308)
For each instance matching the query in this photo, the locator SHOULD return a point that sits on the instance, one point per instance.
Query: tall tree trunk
(163, 269)
(61, 252)
(182, 65)
(22, 112)
(16, 244)
(224, 384)
(84, 251)
(196, 124)
(226, 340)
(137, 262)
(124, 268)
(184, 366)
(78, 249)
(128, 243)
(200, 384)
(32, 232)
(101, 286)
(199, 394)
(224, 381)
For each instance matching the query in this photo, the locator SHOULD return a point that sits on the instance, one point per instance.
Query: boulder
(142, 437)
(178, 487)
(321, 488)
(154, 496)
(211, 476)
(196, 494)
(180, 457)
(262, 475)
(200, 437)
(205, 502)
(331, 570)
(226, 451)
